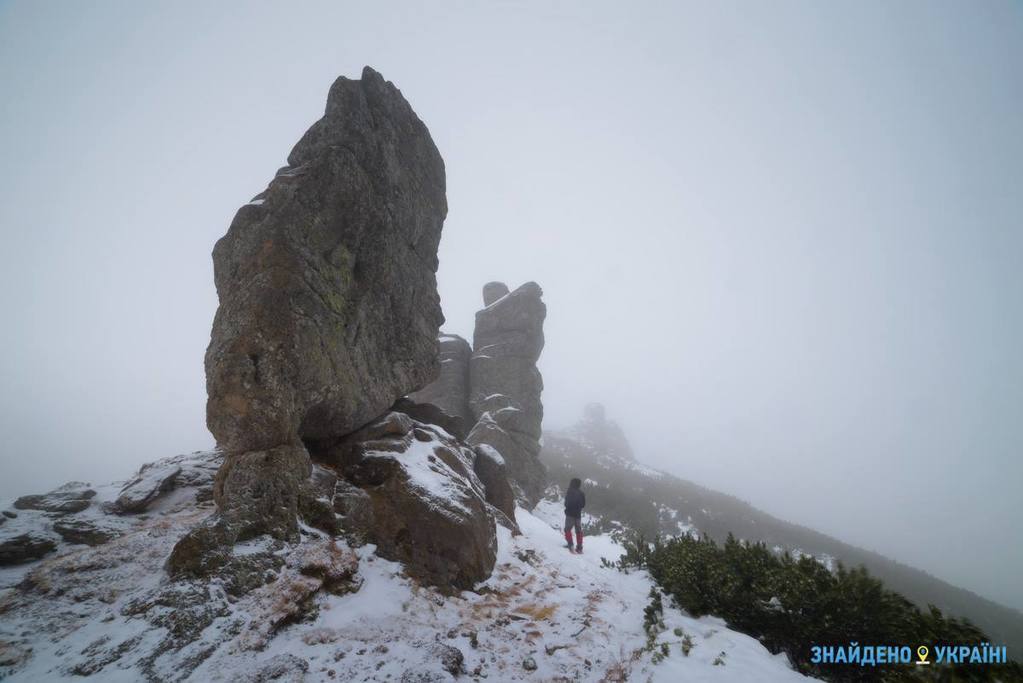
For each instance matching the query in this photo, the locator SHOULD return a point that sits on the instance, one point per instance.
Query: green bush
(790, 605)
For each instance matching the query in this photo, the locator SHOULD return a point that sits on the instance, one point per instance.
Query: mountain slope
(654, 502)
(333, 611)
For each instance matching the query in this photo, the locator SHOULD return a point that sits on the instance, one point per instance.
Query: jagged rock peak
(328, 300)
(328, 311)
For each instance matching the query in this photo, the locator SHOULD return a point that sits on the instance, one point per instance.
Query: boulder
(154, 480)
(432, 413)
(428, 507)
(146, 486)
(492, 471)
(450, 391)
(83, 531)
(24, 548)
(525, 472)
(451, 659)
(73, 496)
(328, 299)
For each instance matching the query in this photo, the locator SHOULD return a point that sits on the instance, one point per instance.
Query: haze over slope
(781, 244)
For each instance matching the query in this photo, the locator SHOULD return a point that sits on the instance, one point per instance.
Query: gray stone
(328, 300)
(24, 548)
(257, 492)
(74, 496)
(282, 667)
(432, 413)
(429, 508)
(356, 510)
(317, 506)
(152, 480)
(507, 342)
(492, 471)
(492, 291)
(329, 309)
(526, 474)
(505, 384)
(451, 659)
(86, 532)
(450, 391)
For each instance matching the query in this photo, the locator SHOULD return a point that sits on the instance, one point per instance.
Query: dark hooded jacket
(575, 501)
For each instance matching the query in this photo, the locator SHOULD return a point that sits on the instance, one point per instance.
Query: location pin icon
(922, 653)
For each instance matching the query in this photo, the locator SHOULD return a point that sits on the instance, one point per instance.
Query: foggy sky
(781, 242)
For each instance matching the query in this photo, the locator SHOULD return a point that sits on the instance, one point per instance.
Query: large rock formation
(328, 300)
(505, 384)
(328, 306)
(499, 387)
(506, 345)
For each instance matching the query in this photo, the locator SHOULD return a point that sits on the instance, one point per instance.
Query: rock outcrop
(328, 309)
(506, 346)
(490, 468)
(328, 299)
(498, 386)
(426, 506)
(505, 384)
(156, 479)
(73, 496)
(24, 548)
(450, 391)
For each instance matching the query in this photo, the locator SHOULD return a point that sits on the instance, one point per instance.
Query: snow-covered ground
(565, 613)
(544, 615)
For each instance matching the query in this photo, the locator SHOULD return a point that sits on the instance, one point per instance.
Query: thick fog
(781, 242)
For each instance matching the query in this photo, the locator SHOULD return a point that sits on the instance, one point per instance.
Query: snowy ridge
(110, 612)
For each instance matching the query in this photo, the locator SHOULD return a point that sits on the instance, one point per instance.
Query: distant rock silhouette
(605, 435)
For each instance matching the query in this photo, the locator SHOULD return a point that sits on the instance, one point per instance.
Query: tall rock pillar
(328, 306)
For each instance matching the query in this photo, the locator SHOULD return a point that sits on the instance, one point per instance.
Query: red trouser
(577, 524)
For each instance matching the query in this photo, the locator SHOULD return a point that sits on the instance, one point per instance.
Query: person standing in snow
(575, 501)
